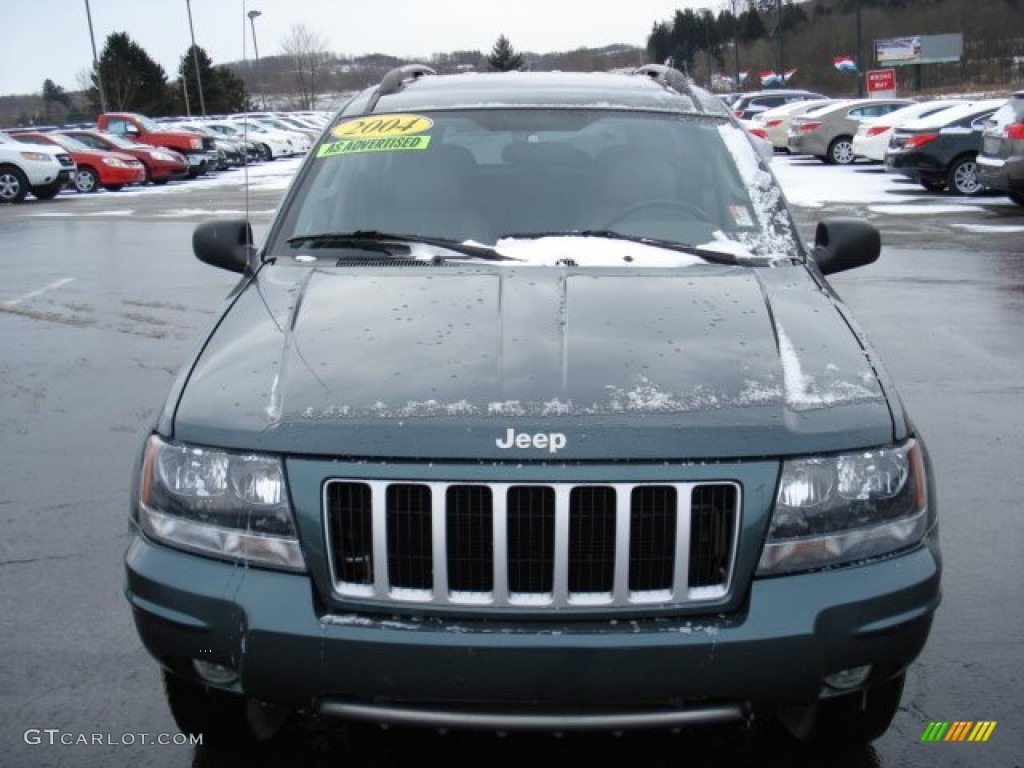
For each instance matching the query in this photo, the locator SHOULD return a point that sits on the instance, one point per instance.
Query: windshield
(499, 177)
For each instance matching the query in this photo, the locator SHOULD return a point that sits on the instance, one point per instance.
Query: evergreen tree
(223, 91)
(53, 95)
(503, 57)
(132, 81)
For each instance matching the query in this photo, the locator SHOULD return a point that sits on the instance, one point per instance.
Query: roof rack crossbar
(396, 79)
(671, 78)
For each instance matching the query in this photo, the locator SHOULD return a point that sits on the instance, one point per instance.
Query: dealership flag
(743, 75)
(768, 77)
(844, 63)
(788, 76)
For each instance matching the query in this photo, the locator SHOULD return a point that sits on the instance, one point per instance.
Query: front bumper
(774, 651)
(807, 144)
(1003, 174)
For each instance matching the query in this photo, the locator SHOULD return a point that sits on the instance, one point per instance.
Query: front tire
(86, 180)
(13, 184)
(840, 151)
(963, 177)
(48, 192)
(224, 719)
(854, 718)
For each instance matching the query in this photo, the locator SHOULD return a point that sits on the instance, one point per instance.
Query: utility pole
(195, 59)
(95, 60)
(860, 59)
(782, 49)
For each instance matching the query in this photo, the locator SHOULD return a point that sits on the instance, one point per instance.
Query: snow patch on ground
(982, 228)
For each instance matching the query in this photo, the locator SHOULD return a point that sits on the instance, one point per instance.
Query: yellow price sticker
(382, 125)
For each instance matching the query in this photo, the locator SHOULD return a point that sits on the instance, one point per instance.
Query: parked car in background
(42, 170)
(1001, 161)
(872, 138)
(749, 104)
(534, 411)
(776, 121)
(298, 143)
(199, 151)
(828, 133)
(941, 151)
(160, 165)
(271, 143)
(95, 168)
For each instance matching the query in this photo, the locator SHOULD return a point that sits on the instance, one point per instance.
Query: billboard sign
(919, 49)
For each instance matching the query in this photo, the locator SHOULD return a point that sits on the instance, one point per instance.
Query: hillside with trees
(712, 46)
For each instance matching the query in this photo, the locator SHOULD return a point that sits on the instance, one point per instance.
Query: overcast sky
(50, 38)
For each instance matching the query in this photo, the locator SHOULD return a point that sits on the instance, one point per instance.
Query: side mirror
(845, 243)
(225, 243)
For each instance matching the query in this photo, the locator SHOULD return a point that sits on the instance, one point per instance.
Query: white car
(270, 143)
(872, 138)
(297, 143)
(776, 121)
(42, 170)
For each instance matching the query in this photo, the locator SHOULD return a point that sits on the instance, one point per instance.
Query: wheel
(695, 212)
(48, 192)
(266, 151)
(840, 151)
(1017, 197)
(85, 179)
(963, 177)
(933, 185)
(853, 718)
(225, 719)
(13, 184)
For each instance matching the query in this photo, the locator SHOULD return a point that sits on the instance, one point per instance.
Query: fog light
(217, 674)
(848, 678)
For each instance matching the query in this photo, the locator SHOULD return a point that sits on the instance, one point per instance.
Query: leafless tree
(308, 52)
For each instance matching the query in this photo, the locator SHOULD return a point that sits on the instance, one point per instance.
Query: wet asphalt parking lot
(101, 299)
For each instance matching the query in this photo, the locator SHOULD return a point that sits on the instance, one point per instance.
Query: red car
(161, 165)
(96, 167)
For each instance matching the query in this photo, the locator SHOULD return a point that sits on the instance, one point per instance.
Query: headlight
(164, 157)
(39, 157)
(196, 143)
(839, 509)
(115, 162)
(230, 505)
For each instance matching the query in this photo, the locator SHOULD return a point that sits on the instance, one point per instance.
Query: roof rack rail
(669, 77)
(396, 79)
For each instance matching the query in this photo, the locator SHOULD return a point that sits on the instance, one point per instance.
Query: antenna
(245, 125)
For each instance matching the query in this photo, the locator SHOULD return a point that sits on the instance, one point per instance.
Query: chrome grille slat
(499, 544)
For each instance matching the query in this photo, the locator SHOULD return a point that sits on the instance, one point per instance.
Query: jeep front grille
(544, 546)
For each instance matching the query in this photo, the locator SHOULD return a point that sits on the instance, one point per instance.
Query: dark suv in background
(1001, 162)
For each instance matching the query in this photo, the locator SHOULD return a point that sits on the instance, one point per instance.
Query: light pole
(95, 60)
(195, 59)
(860, 59)
(782, 50)
(252, 22)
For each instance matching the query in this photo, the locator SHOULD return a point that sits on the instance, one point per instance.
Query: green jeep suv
(534, 411)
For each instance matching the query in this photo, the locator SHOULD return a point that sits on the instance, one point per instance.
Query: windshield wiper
(369, 238)
(708, 254)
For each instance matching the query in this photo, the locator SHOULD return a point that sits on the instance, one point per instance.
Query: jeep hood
(442, 362)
